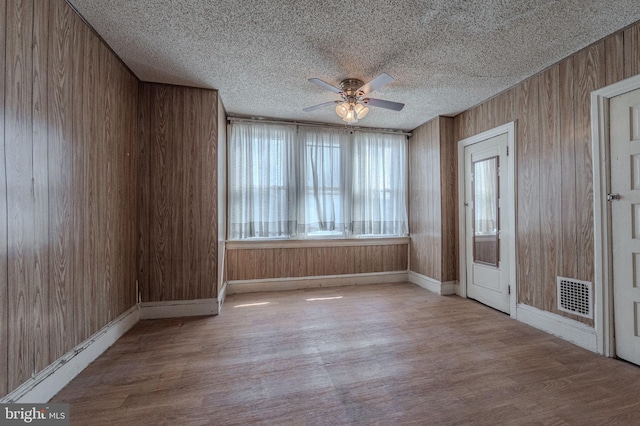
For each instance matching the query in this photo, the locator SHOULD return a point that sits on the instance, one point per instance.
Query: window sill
(317, 242)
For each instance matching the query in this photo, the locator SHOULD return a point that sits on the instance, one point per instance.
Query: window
(307, 182)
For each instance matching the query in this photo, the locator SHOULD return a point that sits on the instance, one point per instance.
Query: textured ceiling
(445, 55)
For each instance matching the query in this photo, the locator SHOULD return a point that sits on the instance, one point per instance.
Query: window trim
(315, 242)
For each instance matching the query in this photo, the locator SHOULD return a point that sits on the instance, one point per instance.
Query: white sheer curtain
(486, 196)
(324, 182)
(262, 180)
(286, 182)
(379, 184)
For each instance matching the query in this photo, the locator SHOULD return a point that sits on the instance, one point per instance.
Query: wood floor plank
(380, 354)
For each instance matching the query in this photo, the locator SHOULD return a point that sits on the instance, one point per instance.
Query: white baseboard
(221, 295)
(443, 288)
(178, 308)
(48, 382)
(279, 284)
(565, 328)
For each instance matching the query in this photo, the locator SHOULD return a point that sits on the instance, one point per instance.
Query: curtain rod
(237, 119)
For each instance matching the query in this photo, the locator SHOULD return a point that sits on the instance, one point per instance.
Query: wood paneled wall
(178, 222)
(433, 200)
(554, 213)
(251, 264)
(67, 180)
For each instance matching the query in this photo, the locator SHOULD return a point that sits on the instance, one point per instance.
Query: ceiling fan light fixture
(361, 111)
(352, 116)
(342, 109)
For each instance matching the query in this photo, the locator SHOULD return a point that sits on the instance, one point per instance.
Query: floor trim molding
(178, 308)
(442, 288)
(221, 295)
(48, 382)
(565, 328)
(297, 283)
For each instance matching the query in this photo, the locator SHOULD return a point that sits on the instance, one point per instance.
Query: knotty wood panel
(251, 264)
(70, 112)
(177, 232)
(4, 291)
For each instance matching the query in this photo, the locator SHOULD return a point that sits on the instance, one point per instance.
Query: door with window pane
(485, 227)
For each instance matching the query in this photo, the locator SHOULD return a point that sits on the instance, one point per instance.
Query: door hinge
(509, 288)
(507, 151)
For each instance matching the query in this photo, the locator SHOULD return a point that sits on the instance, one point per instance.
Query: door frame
(510, 212)
(603, 262)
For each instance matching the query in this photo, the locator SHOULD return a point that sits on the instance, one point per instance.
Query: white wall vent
(575, 297)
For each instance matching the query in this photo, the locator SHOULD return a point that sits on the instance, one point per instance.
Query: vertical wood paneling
(20, 203)
(589, 74)
(449, 196)
(434, 201)
(56, 197)
(567, 181)
(209, 196)
(250, 264)
(4, 307)
(550, 175)
(178, 286)
(106, 173)
(179, 214)
(81, 331)
(614, 58)
(143, 191)
(632, 51)
(191, 224)
(528, 196)
(60, 113)
(91, 117)
(159, 190)
(554, 232)
(132, 182)
(424, 200)
(40, 294)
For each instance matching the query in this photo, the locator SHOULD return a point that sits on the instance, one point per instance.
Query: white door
(486, 227)
(625, 222)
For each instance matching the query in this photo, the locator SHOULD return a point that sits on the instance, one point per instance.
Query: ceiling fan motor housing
(350, 87)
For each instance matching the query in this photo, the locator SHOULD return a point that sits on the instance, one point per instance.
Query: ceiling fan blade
(325, 85)
(396, 106)
(315, 107)
(375, 84)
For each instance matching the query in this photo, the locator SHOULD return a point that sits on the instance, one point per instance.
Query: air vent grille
(574, 297)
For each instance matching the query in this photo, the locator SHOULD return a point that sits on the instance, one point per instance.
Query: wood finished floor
(384, 354)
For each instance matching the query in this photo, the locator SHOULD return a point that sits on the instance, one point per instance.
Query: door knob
(613, 197)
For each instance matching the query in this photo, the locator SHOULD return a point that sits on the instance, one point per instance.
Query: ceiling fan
(353, 104)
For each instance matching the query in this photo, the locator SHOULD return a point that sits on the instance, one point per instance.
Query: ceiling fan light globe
(351, 117)
(361, 111)
(342, 109)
